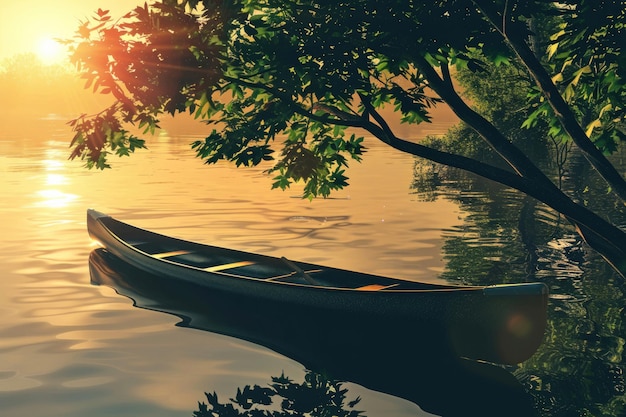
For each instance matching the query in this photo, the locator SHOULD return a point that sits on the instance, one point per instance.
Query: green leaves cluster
(97, 137)
(154, 60)
(234, 70)
(585, 56)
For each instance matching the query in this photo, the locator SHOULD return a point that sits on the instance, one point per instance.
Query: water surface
(69, 348)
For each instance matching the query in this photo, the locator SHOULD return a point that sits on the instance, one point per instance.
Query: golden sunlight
(50, 51)
(32, 27)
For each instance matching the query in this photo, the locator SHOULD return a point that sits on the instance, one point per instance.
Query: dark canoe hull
(400, 362)
(503, 324)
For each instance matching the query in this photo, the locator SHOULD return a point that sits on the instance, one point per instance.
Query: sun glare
(50, 51)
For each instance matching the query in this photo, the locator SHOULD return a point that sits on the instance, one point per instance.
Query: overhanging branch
(561, 109)
(515, 158)
(535, 185)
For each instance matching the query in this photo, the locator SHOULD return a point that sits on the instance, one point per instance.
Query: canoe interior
(240, 264)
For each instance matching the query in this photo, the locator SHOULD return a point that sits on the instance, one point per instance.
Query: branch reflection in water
(508, 237)
(436, 381)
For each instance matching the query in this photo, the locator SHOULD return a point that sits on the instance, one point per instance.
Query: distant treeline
(27, 86)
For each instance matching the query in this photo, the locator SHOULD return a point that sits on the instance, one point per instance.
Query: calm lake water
(69, 348)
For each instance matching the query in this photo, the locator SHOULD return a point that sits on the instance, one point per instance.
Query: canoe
(501, 323)
(426, 377)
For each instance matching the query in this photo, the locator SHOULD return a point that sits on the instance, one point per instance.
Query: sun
(50, 51)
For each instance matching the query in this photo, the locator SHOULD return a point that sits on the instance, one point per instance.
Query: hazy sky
(24, 26)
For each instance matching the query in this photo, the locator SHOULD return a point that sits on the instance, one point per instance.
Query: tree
(27, 85)
(298, 75)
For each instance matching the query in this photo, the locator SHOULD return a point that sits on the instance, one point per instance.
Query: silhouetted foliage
(316, 396)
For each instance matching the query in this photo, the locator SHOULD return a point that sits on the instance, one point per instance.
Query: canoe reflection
(342, 347)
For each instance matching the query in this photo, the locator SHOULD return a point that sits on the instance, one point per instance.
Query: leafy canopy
(299, 72)
(271, 71)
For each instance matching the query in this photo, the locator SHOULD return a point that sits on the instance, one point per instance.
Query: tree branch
(593, 228)
(561, 109)
(515, 158)
(377, 117)
(351, 121)
(596, 231)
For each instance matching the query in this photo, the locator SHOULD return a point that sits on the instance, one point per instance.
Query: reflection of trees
(316, 396)
(504, 236)
(508, 238)
(579, 370)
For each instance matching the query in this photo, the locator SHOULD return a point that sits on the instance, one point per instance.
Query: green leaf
(579, 73)
(552, 48)
(281, 181)
(593, 125)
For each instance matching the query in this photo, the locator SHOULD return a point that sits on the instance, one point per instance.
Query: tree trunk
(561, 109)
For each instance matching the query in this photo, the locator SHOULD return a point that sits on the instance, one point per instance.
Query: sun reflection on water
(56, 179)
(54, 199)
(52, 164)
(53, 179)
